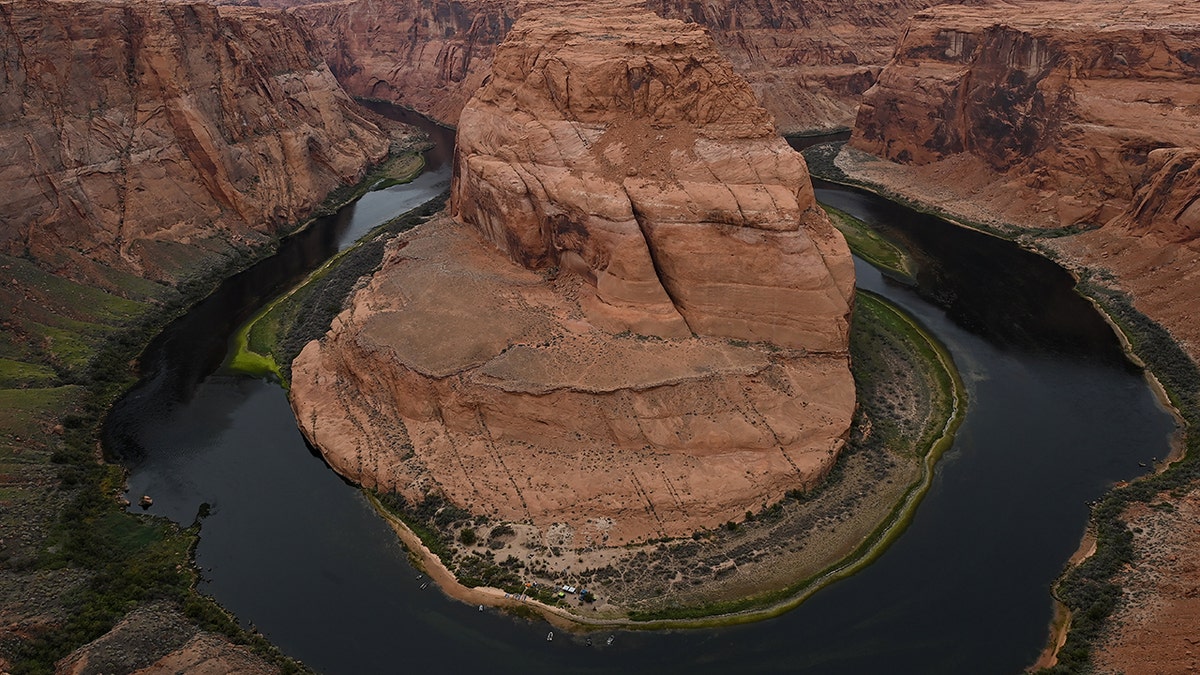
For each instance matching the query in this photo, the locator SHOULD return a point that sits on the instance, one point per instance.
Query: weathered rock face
(807, 62)
(427, 55)
(1060, 102)
(647, 167)
(128, 128)
(455, 371)
(646, 194)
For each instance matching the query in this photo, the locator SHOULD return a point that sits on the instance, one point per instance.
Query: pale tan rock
(623, 148)
(128, 128)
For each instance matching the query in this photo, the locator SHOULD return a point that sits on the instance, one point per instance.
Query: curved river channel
(1056, 414)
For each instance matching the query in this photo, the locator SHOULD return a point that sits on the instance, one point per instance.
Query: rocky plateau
(1052, 115)
(636, 325)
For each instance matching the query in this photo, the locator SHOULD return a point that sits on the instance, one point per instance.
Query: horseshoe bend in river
(1056, 415)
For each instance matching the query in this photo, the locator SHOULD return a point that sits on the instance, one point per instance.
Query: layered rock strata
(1055, 114)
(648, 168)
(808, 62)
(130, 128)
(1059, 104)
(537, 362)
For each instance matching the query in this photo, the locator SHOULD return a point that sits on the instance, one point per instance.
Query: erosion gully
(1056, 415)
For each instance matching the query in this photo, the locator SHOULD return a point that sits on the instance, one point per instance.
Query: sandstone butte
(808, 62)
(634, 326)
(144, 137)
(1081, 117)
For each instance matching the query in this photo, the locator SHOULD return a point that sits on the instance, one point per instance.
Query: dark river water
(1056, 415)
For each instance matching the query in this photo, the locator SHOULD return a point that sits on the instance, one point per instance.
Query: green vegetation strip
(431, 518)
(871, 246)
(777, 602)
(1089, 589)
(270, 340)
(93, 339)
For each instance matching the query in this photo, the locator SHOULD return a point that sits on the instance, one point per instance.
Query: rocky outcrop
(1052, 114)
(536, 362)
(649, 169)
(1052, 110)
(459, 373)
(807, 62)
(130, 128)
(427, 55)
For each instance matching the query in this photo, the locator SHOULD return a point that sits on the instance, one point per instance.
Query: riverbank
(263, 346)
(755, 569)
(1086, 587)
(73, 562)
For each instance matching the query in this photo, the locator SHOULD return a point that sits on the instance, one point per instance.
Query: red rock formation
(679, 204)
(127, 129)
(621, 148)
(1056, 105)
(807, 62)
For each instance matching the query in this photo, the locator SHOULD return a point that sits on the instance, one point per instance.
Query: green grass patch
(399, 170)
(85, 303)
(24, 412)
(19, 374)
(873, 247)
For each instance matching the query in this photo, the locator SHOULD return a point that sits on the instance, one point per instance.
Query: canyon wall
(807, 62)
(637, 327)
(648, 168)
(1055, 112)
(128, 129)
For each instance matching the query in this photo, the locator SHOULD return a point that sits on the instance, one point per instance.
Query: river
(1056, 415)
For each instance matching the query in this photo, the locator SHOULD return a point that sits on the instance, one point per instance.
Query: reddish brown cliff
(645, 194)
(1050, 114)
(807, 62)
(648, 168)
(127, 129)
(1047, 111)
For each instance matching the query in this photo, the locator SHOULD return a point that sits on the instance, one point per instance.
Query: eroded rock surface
(455, 371)
(807, 62)
(1056, 114)
(130, 128)
(641, 162)
(1048, 111)
(537, 363)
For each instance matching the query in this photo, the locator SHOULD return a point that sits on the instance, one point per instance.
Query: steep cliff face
(807, 62)
(1063, 103)
(649, 169)
(507, 362)
(127, 129)
(429, 56)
